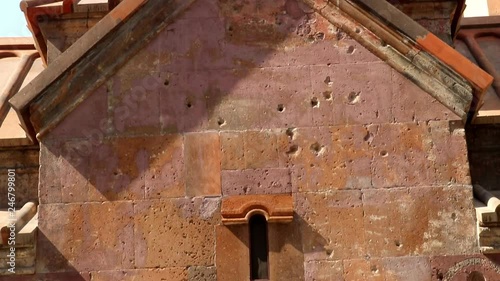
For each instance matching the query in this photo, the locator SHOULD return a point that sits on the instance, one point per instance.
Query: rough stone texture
(231, 245)
(285, 252)
(324, 271)
(419, 221)
(175, 232)
(62, 276)
(202, 273)
(25, 163)
(388, 269)
(101, 236)
(330, 224)
(455, 268)
(258, 181)
(254, 97)
(171, 273)
(202, 164)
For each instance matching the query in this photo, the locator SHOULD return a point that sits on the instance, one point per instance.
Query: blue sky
(12, 21)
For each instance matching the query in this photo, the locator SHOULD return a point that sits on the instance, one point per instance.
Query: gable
(202, 73)
(289, 23)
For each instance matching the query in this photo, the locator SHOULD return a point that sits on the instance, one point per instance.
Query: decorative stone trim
(276, 208)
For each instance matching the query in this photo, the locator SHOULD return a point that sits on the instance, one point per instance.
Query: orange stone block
(202, 159)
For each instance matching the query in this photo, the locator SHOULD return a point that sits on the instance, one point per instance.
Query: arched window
(259, 249)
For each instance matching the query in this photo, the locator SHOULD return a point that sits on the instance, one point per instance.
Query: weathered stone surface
(49, 188)
(256, 181)
(419, 221)
(202, 160)
(118, 169)
(232, 148)
(90, 116)
(351, 94)
(323, 271)
(175, 232)
(232, 245)
(260, 149)
(134, 96)
(326, 158)
(465, 267)
(22, 164)
(62, 276)
(330, 224)
(166, 173)
(274, 100)
(171, 273)
(410, 103)
(388, 269)
(288, 97)
(101, 236)
(202, 273)
(449, 152)
(183, 103)
(286, 258)
(402, 156)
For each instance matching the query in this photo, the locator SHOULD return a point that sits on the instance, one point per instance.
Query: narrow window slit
(259, 250)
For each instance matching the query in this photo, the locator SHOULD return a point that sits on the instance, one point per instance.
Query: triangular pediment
(109, 45)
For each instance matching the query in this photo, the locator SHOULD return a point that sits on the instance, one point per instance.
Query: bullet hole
(328, 81)
(329, 64)
(398, 244)
(440, 276)
(166, 82)
(316, 148)
(293, 149)
(383, 43)
(281, 108)
(189, 104)
(351, 50)
(314, 102)
(327, 95)
(368, 137)
(384, 153)
(290, 132)
(221, 122)
(358, 30)
(374, 269)
(454, 216)
(353, 97)
(329, 252)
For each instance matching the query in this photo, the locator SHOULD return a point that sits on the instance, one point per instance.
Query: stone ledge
(238, 209)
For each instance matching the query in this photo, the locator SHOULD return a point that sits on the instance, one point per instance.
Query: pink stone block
(256, 181)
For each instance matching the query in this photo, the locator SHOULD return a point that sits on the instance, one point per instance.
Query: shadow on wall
(53, 261)
(221, 66)
(226, 65)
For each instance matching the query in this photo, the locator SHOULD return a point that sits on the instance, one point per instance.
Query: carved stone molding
(276, 208)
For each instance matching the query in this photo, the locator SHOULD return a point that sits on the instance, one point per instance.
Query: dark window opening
(259, 250)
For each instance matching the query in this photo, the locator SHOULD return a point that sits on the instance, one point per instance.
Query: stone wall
(241, 97)
(24, 160)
